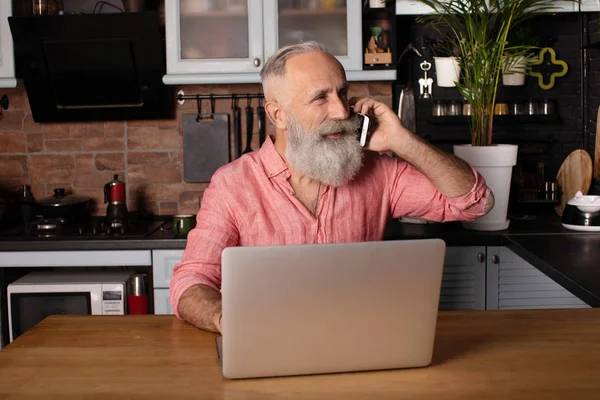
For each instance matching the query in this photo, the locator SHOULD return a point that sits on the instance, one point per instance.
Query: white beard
(333, 162)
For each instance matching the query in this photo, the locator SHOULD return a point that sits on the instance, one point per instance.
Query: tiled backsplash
(147, 155)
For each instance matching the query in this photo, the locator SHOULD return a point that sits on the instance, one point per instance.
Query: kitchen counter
(571, 260)
(529, 354)
(452, 233)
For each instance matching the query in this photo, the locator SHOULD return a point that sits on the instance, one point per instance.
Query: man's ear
(276, 114)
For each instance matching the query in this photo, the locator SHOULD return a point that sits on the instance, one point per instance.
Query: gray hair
(275, 66)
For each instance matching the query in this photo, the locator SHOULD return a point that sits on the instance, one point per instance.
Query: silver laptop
(325, 308)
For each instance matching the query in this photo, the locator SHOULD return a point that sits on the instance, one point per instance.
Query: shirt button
(292, 193)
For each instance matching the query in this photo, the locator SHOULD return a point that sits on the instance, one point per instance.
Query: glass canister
(47, 7)
(439, 109)
(454, 108)
(466, 108)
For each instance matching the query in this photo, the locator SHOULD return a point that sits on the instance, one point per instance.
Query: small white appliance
(81, 292)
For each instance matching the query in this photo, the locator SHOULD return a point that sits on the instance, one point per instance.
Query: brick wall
(147, 155)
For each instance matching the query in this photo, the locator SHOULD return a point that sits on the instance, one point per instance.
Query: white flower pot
(447, 71)
(516, 76)
(376, 3)
(495, 163)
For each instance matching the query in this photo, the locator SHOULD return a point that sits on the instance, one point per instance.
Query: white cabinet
(412, 7)
(565, 6)
(163, 262)
(415, 7)
(589, 5)
(463, 282)
(228, 41)
(162, 302)
(513, 283)
(7, 64)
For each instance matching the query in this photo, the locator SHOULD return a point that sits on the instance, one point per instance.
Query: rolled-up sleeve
(215, 229)
(412, 194)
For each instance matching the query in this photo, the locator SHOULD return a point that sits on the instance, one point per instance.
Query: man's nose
(339, 108)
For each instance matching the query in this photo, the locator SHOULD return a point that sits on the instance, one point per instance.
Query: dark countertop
(571, 260)
(452, 233)
(455, 235)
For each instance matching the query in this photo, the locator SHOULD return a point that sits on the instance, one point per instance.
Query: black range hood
(92, 67)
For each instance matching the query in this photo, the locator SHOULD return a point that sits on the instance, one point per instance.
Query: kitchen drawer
(78, 258)
(162, 302)
(163, 262)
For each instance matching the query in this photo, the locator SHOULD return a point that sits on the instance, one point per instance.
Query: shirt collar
(271, 160)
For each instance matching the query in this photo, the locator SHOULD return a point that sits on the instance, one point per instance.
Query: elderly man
(314, 183)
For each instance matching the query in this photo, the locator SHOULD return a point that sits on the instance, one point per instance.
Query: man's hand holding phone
(362, 133)
(385, 132)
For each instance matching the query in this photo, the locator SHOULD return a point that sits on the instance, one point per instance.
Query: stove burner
(91, 228)
(47, 227)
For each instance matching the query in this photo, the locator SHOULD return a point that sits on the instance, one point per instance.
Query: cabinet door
(7, 65)
(513, 283)
(335, 23)
(162, 302)
(411, 7)
(213, 36)
(565, 6)
(163, 262)
(415, 7)
(463, 282)
(588, 5)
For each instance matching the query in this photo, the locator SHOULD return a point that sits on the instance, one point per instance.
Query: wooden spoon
(575, 174)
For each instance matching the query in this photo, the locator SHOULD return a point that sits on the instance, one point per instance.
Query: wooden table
(534, 354)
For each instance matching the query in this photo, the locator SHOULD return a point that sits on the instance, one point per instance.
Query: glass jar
(455, 108)
(439, 109)
(466, 108)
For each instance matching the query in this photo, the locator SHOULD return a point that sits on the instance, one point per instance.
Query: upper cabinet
(415, 7)
(7, 64)
(411, 7)
(589, 5)
(228, 41)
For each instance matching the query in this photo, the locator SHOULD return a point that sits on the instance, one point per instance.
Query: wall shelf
(498, 119)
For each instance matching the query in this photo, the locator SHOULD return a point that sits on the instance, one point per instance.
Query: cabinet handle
(481, 257)
(495, 259)
(256, 62)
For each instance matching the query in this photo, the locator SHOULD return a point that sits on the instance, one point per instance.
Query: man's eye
(343, 94)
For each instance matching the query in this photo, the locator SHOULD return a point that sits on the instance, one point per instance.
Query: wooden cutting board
(575, 174)
(205, 146)
(597, 149)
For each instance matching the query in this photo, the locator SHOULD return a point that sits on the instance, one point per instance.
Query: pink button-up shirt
(250, 202)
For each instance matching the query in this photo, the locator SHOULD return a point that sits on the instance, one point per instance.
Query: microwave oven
(40, 294)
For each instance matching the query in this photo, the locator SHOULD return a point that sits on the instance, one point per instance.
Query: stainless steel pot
(62, 205)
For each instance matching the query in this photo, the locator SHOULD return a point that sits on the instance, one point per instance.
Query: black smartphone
(363, 129)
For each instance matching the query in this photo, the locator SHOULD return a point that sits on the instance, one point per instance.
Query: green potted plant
(481, 29)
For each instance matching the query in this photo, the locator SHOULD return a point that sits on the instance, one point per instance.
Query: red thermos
(137, 294)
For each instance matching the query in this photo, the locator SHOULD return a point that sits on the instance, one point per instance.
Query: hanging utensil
(237, 126)
(426, 83)
(260, 112)
(249, 125)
